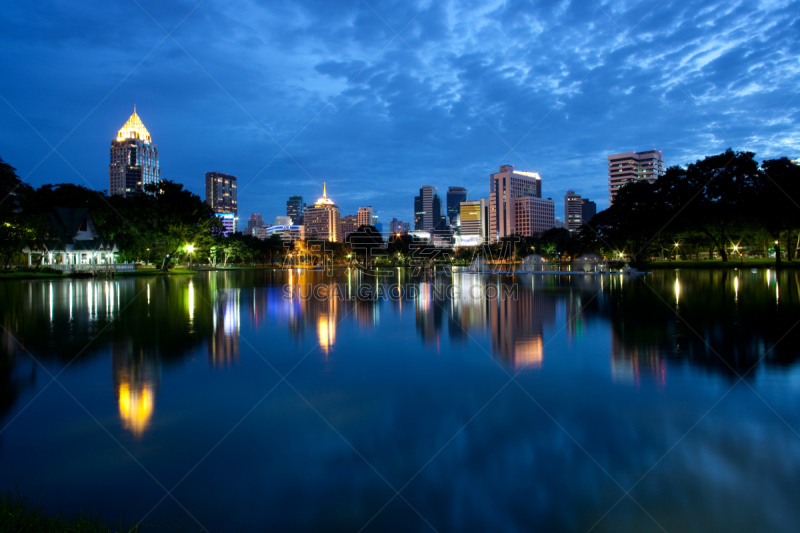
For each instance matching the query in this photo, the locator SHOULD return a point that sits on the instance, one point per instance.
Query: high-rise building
(349, 225)
(398, 226)
(322, 220)
(221, 193)
(455, 195)
(573, 211)
(533, 216)
(134, 159)
(295, 208)
(221, 196)
(255, 221)
(428, 210)
(364, 216)
(474, 218)
(629, 167)
(505, 186)
(588, 210)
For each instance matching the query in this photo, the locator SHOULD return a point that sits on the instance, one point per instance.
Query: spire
(134, 129)
(324, 191)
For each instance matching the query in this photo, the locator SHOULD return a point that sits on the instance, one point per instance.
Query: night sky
(288, 95)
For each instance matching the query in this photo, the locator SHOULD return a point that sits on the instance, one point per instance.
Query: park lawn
(30, 275)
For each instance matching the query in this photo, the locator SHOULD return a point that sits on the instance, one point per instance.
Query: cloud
(443, 104)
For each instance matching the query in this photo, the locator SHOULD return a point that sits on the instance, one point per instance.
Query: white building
(474, 218)
(364, 216)
(629, 167)
(504, 187)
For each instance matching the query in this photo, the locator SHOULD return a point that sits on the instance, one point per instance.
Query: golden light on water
(135, 408)
(677, 290)
(736, 288)
(326, 330)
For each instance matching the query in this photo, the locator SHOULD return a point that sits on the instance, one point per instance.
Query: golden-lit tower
(134, 159)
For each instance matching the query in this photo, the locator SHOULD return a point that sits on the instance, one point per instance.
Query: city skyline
(710, 78)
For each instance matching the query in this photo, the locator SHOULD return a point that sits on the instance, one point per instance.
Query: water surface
(534, 410)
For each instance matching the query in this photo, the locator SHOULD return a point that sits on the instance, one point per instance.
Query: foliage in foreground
(18, 515)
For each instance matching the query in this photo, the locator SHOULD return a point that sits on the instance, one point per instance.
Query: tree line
(726, 203)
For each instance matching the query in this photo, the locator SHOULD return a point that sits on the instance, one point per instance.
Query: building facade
(134, 159)
(349, 225)
(533, 216)
(474, 218)
(221, 193)
(255, 221)
(295, 208)
(573, 211)
(629, 167)
(428, 210)
(322, 220)
(455, 195)
(398, 226)
(364, 216)
(221, 196)
(588, 210)
(505, 186)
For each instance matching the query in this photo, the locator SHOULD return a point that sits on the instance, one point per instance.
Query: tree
(777, 202)
(177, 217)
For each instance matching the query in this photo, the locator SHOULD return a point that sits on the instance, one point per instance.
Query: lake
(295, 401)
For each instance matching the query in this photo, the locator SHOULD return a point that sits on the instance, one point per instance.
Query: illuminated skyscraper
(364, 216)
(504, 188)
(134, 159)
(428, 210)
(295, 208)
(322, 220)
(221, 196)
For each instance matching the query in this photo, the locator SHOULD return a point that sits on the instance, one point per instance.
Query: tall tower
(573, 211)
(364, 216)
(428, 209)
(221, 196)
(504, 188)
(323, 219)
(629, 167)
(134, 159)
(455, 195)
(295, 208)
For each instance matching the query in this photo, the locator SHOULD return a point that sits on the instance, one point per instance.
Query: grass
(157, 272)
(30, 275)
(18, 515)
(717, 263)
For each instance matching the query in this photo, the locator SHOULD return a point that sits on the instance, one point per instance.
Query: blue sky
(287, 95)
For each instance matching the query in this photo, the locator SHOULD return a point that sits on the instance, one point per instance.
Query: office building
(588, 210)
(504, 187)
(322, 220)
(532, 216)
(364, 216)
(221, 196)
(474, 218)
(573, 211)
(134, 159)
(629, 167)
(221, 193)
(428, 210)
(295, 208)
(287, 232)
(228, 221)
(455, 195)
(398, 226)
(255, 221)
(349, 225)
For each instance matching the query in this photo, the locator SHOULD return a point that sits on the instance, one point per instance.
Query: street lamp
(190, 249)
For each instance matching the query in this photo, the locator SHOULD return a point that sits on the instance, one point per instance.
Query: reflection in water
(135, 380)
(223, 347)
